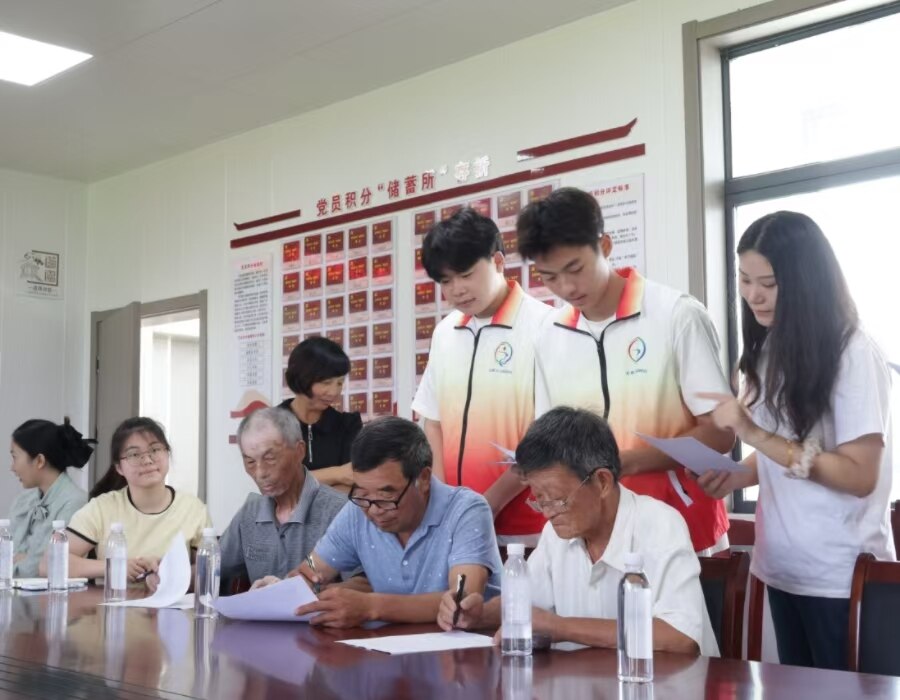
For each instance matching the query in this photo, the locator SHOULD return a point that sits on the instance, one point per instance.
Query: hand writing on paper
(471, 608)
(149, 569)
(339, 607)
(316, 579)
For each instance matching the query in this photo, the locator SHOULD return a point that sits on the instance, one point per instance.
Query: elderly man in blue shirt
(409, 533)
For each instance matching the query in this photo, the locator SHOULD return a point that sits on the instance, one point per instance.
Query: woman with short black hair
(316, 372)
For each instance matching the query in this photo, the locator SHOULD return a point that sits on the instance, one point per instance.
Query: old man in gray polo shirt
(277, 528)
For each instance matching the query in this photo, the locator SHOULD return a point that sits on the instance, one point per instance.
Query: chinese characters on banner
(340, 284)
(430, 304)
(411, 185)
(39, 275)
(252, 328)
(622, 202)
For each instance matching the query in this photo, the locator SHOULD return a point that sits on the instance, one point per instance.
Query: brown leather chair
(723, 577)
(874, 646)
(741, 532)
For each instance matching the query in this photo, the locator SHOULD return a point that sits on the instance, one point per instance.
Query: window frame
(713, 192)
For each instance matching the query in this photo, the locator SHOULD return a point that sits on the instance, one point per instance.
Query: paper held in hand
(174, 579)
(272, 603)
(693, 454)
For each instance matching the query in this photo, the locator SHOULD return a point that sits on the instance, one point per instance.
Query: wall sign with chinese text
(39, 275)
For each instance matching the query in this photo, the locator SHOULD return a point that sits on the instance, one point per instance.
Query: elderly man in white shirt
(570, 460)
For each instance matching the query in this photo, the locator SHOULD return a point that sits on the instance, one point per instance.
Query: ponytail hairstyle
(814, 319)
(112, 480)
(61, 445)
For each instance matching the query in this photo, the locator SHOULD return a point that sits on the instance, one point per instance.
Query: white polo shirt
(642, 374)
(565, 581)
(808, 535)
(479, 383)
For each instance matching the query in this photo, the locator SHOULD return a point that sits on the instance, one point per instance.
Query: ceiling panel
(173, 75)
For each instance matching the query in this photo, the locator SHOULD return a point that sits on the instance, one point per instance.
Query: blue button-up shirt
(457, 528)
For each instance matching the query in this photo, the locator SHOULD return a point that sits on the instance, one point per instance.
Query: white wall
(164, 230)
(43, 357)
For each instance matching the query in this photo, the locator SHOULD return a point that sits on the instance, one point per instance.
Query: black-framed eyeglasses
(136, 459)
(558, 506)
(381, 504)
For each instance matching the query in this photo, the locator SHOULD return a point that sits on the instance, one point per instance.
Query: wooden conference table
(69, 647)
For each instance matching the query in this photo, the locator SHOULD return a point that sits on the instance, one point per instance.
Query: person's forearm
(388, 607)
(503, 490)
(79, 567)
(830, 469)
(435, 436)
(604, 633)
(339, 476)
(642, 460)
(356, 583)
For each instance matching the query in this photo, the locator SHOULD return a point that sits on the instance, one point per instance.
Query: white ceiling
(172, 75)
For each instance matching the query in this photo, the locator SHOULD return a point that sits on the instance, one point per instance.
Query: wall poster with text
(340, 284)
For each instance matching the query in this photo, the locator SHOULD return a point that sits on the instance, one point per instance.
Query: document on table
(416, 643)
(693, 454)
(275, 603)
(174, 579)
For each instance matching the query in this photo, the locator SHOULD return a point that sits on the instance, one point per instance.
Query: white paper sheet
(276, 602)
(894, 366)
(693, 454)
(416, 643)
(174, 578)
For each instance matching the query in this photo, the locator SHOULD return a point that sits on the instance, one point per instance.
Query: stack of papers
(417, 643)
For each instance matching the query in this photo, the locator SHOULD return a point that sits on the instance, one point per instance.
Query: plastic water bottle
(58, 558)
(635, 623)
(516, 603)
(206, 580)
(115, 584)
(6, 556)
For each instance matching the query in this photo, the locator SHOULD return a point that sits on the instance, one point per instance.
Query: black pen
(460, 590)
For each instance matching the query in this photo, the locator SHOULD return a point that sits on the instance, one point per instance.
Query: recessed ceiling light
(28, 62)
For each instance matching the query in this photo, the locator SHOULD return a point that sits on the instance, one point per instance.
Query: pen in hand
(460, 591)
(142, 576)
(312, 565)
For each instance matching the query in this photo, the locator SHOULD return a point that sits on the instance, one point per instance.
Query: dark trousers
(810, 631)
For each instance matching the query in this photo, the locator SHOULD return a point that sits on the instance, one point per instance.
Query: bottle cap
(634, 561)
(4, 523)
(117, 527)
(209, 532)
(516, 548)
(59, 524)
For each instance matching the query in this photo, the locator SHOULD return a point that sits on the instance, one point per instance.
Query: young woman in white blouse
(815, 408)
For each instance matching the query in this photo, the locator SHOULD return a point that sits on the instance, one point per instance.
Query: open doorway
(170, 384)
(150, 360)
